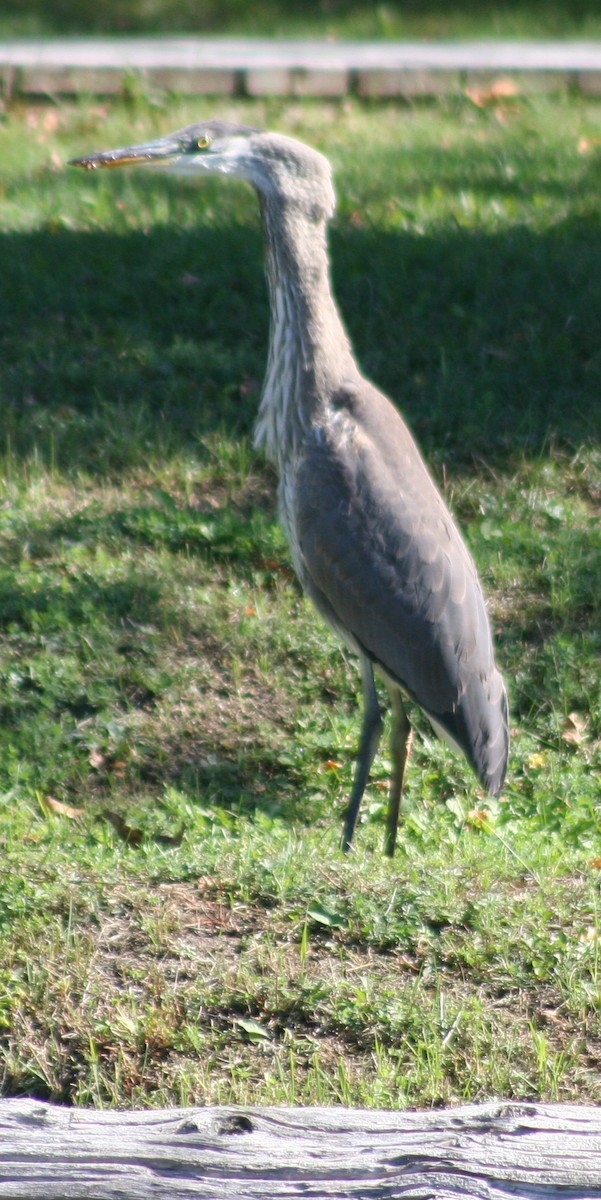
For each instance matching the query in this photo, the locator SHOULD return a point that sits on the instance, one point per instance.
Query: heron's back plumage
(381, 556)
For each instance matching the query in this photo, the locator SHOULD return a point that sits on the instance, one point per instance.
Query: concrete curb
(259, 67)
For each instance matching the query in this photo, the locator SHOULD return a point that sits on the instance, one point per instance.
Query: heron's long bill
(146, 154)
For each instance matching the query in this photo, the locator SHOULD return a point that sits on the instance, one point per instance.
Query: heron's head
(279, 167)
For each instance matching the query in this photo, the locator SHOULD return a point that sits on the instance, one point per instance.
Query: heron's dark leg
(401, 737)
(370, 736)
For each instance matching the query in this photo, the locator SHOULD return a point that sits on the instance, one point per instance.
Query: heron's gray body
(377, 551)
(373, 543)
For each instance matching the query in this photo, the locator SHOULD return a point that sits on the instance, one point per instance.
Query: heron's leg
(371, 730)
(401, 737)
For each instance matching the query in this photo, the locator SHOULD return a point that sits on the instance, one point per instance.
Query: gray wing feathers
(381, 557)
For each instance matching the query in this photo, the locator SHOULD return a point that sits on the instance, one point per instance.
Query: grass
(316, 18)
(177, 924)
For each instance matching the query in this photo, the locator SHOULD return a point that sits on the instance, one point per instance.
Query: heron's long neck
(309, 351)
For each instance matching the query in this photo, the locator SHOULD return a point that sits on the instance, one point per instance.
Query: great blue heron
(372, 540)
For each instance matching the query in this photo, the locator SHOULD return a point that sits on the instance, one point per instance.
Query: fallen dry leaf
(586, 144)
(573, 730)
(590, 934)
(63, 810)
(478, 817)
(501, 89)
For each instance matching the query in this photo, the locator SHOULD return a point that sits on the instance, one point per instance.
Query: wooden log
(493, 1151)
(301, 67)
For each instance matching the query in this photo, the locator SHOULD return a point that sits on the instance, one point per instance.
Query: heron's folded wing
(381, 556)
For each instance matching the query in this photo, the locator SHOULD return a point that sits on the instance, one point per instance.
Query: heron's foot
(348, 829)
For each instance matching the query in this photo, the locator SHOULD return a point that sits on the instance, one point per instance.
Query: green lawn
(314, 18)
(177, 923)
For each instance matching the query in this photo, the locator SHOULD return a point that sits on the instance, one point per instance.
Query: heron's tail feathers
(479, 727)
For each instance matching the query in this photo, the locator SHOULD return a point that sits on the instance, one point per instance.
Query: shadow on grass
(85, 664)
(245, 541)
(136, 16)
(121, 349)
(67, 602)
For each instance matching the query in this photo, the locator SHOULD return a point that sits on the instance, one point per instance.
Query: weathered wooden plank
(267, 81)
(489, 1152)
(7, 81)
(589, 82)
(52, 79)
(319, 81)
(194, 81)
(415, 81)
(139, 53)
(295, 67)
(295, 81)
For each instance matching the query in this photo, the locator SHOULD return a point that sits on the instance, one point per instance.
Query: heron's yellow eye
(203, 142)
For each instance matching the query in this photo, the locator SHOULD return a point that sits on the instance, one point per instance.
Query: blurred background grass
(315, 18)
